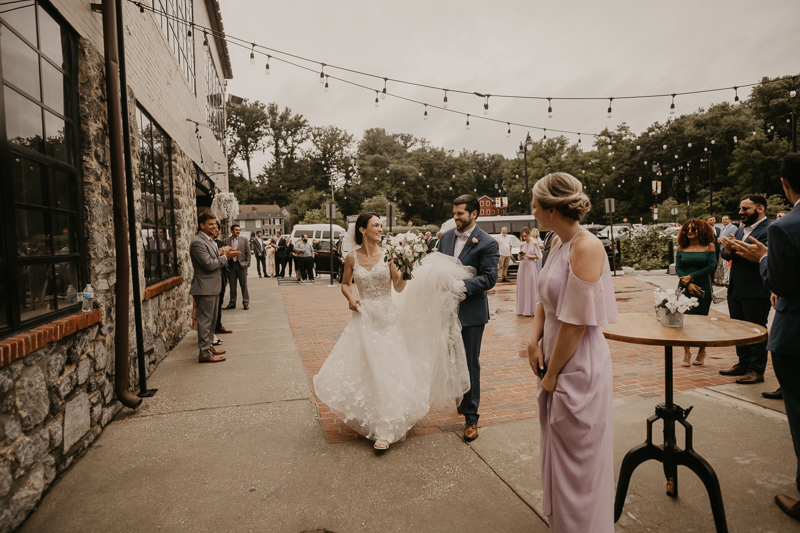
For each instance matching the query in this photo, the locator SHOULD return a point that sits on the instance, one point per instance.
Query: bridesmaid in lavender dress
(527, 275)
(569, 354)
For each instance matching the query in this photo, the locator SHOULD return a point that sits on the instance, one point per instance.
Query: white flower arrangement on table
(406, 250)
(674, 300)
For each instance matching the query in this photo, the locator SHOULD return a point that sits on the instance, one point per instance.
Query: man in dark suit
(748, 299)
(207, 261)
(712, 221)
(239, 268)
(778, 269)
(476, 248)
(281, 255)
(257, 245)
(224, 275)
(430, 241)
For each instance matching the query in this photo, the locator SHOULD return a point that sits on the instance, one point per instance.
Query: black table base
(670, 455)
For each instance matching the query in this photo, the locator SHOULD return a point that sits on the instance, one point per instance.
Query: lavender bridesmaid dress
(528, 281)
(577, 419)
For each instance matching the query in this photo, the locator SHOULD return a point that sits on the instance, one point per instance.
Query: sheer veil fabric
(401, 353)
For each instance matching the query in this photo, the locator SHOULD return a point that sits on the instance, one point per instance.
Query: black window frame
(177, 28)
(215, 99)
(12, 287)
(156, 259)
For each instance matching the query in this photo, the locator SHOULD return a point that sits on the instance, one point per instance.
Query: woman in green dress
(695, 263)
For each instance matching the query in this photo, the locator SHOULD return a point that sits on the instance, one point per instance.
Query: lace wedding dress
(400, 353)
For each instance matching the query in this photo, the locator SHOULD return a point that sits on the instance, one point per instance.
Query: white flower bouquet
(675, 300)
(406, 250)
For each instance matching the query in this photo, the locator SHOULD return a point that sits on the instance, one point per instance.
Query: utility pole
(710, 186)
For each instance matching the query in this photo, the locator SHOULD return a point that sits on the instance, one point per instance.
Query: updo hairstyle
(563, 192)
(361, 222)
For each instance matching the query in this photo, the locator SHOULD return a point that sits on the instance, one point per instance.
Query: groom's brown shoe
(788, 505)
(471, 432)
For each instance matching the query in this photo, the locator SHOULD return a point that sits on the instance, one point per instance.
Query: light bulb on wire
(579, 138)
(253, 55)
(549, 108)
(326, 83)
(467, 121)
(377, 102)
(672, 105)
(425, 115)
(610, 100)
(444, 103)
(509, 130)
(322, 74)
(736, 96)
(486, 106)
(383, 93)
(266, 69)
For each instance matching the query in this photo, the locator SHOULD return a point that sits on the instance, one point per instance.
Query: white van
(493, 225)
(321, 232)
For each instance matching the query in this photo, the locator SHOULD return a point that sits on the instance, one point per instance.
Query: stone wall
(56, 401)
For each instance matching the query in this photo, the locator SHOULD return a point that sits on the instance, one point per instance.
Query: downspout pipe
(121, 305)
(132, 234)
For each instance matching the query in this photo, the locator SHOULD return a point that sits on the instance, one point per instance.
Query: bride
(402, 351)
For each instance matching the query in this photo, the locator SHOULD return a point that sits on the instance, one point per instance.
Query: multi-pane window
(215, 100)
(42, 266)
(175, 18)
(158, 218)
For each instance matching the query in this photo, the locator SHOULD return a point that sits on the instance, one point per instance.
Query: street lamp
(522, 153)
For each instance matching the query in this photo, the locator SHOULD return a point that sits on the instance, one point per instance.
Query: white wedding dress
(400, 353)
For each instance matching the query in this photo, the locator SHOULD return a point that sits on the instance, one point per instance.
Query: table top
(697, 330)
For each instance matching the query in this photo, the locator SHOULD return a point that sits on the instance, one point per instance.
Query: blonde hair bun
(563, 192)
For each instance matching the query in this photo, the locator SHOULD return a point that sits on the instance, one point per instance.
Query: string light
(609, 107)
(467, 121)
(425, 115)
(672, 105)
(326, 83)
(579, 138)
(383, 93)
(735, 139)
(486, 106)
(267, 67)
(253, 55)
(205, 35)
(189, 33)
(444, 103)
(545, 135)
(665, 147)
(736, 97)
(690, 145)
(509, 130)
(638, 147)
(377, 103)
(322, 73)
(549, 108)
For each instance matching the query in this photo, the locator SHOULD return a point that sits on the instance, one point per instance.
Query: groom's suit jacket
(207, 263)
(483, 257)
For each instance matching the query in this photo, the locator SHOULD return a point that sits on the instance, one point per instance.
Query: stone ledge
(158, 288)
(22, 344)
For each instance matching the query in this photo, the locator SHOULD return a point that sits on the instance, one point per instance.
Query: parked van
(317, 231)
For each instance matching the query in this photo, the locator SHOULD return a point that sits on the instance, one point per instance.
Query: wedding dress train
(400, 353)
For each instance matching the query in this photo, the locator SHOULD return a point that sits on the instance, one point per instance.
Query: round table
(700, 331)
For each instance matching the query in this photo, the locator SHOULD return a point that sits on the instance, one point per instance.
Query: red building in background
(493, 206)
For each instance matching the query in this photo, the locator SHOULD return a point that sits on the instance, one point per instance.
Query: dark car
(322, 259)
(611, 248)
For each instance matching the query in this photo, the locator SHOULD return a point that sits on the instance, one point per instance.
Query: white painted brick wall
(156, 79)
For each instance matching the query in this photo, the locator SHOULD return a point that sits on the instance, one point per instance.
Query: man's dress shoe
(735, 370)
(217, 352)
(471, 432)
(212, 359)
(788, 505)
(777, 395)
(230, 306)
(223, 330)
(751, 378)
(246, 306)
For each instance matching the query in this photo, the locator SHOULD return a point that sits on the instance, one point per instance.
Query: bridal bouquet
(406, 250)
(674, 300)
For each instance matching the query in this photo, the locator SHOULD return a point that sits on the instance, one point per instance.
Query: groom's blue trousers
(472, 336)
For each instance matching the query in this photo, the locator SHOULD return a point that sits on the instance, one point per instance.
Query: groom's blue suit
(473, 313)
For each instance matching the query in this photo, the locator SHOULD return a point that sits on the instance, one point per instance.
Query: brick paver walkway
(318, 315)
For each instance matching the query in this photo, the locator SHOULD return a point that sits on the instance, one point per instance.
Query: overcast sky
(556, 48)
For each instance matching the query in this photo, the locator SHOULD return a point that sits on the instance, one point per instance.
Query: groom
(476, 248)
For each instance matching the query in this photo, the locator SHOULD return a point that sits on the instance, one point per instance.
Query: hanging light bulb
(583, 172)
(792, 93)
(189, 33)
(579, 138)
(486, 106)
(640, 179)
(326, 83)
(266, 69)
(253, 55)
(509, 130)
(713, 141)
(425, 115)
(444, 103)
(377, 103)
(549, 109)
(690, 145)
(735, 139)
(322, 73)
(664, 147)
(545, 134)
(736, 96)
(754, 130)
(609, 147)
(638, 147)
(467, 121)
(205, 35)
(609, 107)
(383, 93)
(676, 156)
(672, 105)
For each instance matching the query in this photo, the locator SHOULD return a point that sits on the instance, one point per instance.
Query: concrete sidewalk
(237, 446)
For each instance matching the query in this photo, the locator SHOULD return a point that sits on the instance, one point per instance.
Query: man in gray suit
(240, 265)
(778, 269)
(207, 261)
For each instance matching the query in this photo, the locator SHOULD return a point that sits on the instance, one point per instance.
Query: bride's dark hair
(361, 222)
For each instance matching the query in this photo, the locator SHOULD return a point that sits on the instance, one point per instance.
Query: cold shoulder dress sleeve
(576, 420)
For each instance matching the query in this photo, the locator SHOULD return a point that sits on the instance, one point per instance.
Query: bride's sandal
(687, 357)
(701, 357)
(381, 445)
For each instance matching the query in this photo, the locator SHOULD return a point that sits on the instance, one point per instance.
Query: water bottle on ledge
(88, 294)
(72, 295)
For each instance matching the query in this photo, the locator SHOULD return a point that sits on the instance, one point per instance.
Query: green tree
(247, 132)
(317, 216)
(287, 131)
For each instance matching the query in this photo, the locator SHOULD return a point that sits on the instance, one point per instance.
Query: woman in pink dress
(527, 275)
(569, 354)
